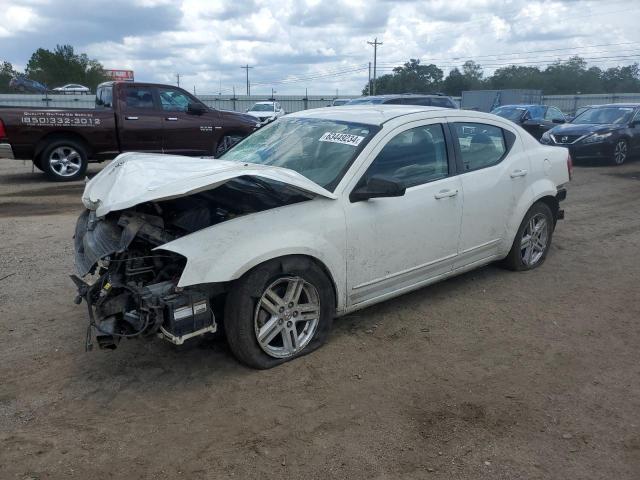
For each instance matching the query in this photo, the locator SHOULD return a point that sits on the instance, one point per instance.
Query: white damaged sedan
(316, 215)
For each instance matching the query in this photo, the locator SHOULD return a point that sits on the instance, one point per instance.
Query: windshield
(262, 107)
(511, 113)
(365, 100)
(321, 150)
(604, 115)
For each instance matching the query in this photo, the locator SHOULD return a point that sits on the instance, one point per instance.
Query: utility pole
(247, 67)
(369, 84)
(375, 44)
(178, 78)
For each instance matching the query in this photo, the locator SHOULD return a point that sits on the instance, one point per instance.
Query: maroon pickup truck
(140, 117)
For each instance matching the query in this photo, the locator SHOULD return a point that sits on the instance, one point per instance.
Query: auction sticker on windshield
(344, 138)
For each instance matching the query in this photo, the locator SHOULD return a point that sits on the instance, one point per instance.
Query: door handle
(518, 173)
(130, 118)
(172, 119)
(445, 194)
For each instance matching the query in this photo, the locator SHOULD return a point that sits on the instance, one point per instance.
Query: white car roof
(369, 114)
(264, 103)
(379, 114)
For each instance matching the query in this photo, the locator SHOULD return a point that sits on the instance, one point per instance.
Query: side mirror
(634, 124)
(558, 120)
(195, 109)
(377, 187)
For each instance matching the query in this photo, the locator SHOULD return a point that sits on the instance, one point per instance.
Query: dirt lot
(493, 374)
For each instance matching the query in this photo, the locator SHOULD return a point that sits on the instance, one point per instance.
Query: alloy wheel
(286, 316)
(535, 238)
(620, 152)
(65, 161)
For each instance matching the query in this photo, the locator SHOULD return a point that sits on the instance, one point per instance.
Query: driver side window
(173, 100)
(413, 157)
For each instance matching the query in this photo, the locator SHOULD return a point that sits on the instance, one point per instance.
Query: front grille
(565, 139)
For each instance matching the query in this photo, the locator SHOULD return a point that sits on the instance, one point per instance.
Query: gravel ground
(493, 374)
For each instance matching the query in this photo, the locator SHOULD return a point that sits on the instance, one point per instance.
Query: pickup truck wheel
(64, 160)
(227, 142)
(532, 242)
(279, 311)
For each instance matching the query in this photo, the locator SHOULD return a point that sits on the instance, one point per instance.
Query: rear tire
(289, 297)
(533, 240)
(64, 160)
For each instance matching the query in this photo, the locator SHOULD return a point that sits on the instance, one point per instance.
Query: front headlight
(597, 137)
(546, 137)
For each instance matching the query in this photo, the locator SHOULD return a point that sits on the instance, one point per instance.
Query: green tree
(412, 77)
(469, 79)
(64, 66)
(622, 79)
(6, 74)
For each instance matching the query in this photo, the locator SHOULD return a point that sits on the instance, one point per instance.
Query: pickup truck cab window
(413, 157)
(480, 145)
(104, 97)
(139, 98)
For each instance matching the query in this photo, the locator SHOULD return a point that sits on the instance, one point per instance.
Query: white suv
(316, 215)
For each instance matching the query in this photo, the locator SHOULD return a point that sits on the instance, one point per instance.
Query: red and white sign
(120, 75)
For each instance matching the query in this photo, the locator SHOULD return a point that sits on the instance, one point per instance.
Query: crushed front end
(129, 288)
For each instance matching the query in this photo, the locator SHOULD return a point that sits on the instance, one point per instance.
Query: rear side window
(480, 145)
(425, 101)
(413, 157)
(139, 97)
(553, 114)
(442, 102)
(104, 97)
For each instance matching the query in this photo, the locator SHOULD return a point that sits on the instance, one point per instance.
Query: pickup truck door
(187, 132)
(139, 119)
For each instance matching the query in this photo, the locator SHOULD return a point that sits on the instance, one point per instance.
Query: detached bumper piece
(118, 311)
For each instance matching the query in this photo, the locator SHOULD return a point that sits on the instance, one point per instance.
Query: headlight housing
(546, 137)
(597, 137)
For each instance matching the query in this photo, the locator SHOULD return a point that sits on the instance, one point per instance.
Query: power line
(574, 50)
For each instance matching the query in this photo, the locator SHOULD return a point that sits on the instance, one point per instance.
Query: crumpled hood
(135, 178)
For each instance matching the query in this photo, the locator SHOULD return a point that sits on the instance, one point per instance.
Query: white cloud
(311, 43)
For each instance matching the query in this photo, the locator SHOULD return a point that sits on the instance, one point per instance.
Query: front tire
(279, 311)
(64, 160)
(620, 151)
(533, 240)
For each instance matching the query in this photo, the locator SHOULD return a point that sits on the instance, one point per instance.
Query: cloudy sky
(319, 45)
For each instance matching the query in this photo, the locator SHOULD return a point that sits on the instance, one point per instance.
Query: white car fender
(226, 251)
(549, 170)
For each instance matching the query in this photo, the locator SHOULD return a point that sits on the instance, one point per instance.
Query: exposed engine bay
(131, 289)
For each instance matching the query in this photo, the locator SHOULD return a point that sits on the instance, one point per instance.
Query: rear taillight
(3, 132)
(569, 165)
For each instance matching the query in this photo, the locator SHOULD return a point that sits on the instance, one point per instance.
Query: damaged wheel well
(289, 262)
